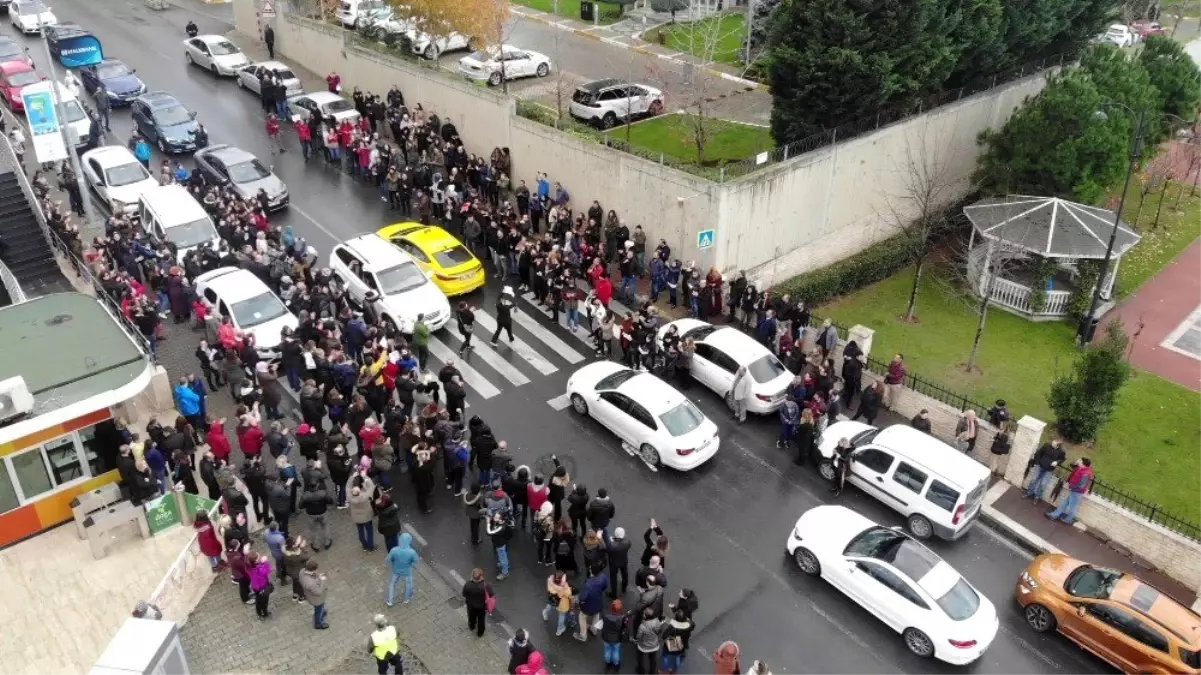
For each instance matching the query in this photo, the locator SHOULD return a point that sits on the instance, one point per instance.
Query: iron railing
(1144, 509)
(9, 157)
(16, 294)
(927, 388)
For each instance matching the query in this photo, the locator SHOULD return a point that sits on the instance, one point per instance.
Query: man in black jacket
(618, 551)
(1045, 459)
(255, 477)
(208, 473)
(601, 512)
(316, 503)
(279, 497)
(504, 315)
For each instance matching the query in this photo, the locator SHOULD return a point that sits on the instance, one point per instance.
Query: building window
(8, 495)
(29, 468)
(100, 446)
(64, 459)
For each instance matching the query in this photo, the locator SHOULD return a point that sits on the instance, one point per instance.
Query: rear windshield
(942, 495)
(23, 78)
(766, 368)
(9, 48)
(453, 256)
(615, 380)
(284, 73)
(682, 419)
(224, 48)
(584, 97)
(961, 602)
(340, 105)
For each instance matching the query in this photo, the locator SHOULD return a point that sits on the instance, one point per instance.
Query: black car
(167, 124)
(119, 80)
(11, 51)
(64, 31)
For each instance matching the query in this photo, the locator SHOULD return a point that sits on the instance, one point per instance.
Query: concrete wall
(819, 207)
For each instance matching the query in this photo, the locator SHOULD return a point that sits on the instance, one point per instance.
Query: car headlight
(1027, 579)
(796, 533)
(117, 204)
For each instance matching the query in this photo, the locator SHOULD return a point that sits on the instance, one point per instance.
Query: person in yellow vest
(384, 645)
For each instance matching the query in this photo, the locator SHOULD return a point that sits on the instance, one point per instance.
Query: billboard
(44, 132)
(80, 51)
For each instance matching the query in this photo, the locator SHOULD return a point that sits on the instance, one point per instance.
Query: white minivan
(938, 489)
(170, 213)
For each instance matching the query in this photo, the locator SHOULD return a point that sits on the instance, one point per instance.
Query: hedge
(874, 263)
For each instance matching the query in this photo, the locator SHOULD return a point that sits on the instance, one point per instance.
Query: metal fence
(934, 391)
(883, 118)
(1152, 512)
(113, 304)
(16, 294)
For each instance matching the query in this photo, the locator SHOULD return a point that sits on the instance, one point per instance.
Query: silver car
(250, 77)
(227, 165)
(215, 54)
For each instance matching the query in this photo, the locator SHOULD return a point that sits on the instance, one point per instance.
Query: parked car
(15, 76)
(1115, 615)
(215, 53)
(507, 62)
(377, 274)
(607, 102)
(116, 177)
(251, 305)
(444, 258)
(119, 80)
(11, 51)
(350, 11)
(938, 613)
(432, 46)
(63, 31)
(654, 422)
(28, 16)
(225, 164)
(250, 77)
(720, 350)
(166, 123)
(1120, 35)
(328, 103)
(1143, 28)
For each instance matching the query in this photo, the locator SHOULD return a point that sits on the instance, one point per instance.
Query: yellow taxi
(454, 269)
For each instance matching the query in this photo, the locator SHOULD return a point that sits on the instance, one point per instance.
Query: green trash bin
(587, 10)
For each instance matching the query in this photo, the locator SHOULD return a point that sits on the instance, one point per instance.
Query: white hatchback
(720, 350)
(906, 585)
(655, 423)
(117, 177)
(251, 305)
(214, 53)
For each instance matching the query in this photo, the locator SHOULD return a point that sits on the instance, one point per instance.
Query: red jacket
(250, 439)
(206, 536)
(303, 132)
(536, 496)
(364, 125)
(334, 82)
(896, 373)
(272, 126)
(369, 435)
(217, 440)
(604, 290)
(260, 221)
(345, 134)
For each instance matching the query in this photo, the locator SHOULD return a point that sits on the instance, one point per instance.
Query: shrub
(1084, 400)
(874, 263)
(1087, 274)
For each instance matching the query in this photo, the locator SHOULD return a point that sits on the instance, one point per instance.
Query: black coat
(475, 594)
(618, 551)
(389, 520)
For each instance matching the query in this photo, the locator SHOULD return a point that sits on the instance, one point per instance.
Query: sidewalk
(1024, 521)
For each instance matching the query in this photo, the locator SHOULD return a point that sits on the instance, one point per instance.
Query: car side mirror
(1080, 611)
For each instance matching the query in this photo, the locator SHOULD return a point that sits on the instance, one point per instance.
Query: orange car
(1114, 615)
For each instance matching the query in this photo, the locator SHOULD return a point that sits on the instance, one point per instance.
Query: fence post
(1025, 441)
(723, 174)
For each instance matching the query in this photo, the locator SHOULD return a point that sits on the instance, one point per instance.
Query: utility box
(587, 10)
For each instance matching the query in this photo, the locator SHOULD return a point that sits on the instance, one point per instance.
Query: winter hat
(508, 290)
(304, 429)
(619, 533)
(365, 462)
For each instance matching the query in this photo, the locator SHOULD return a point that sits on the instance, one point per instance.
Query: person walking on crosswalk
(504, 315)
(421, 342)
(465, 316)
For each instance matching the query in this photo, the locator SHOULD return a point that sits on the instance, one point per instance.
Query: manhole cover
(454, 603)
(546, 466)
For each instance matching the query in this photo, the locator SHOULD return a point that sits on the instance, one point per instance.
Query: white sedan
(117, 177)
(508, 63)
(214, 53)
(655, 422)
(720, 350)
(28, 16)
(906, 585)
(432, 46)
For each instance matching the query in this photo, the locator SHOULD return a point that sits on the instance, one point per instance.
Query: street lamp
(1088, 323)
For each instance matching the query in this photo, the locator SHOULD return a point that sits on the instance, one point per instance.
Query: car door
(617, 101)
(905, 484)
(141, 119)
(703, 367)
(611, 411)
(200, 52)
(214, 168)
(891, 598)
(725, 368)
(249, 78)
(1096, 627)
(639, 100)
(423, 260)
(517, 64)
(95, 177)
(643, 428)
(347, 265)
(868, 468)
(87, 77)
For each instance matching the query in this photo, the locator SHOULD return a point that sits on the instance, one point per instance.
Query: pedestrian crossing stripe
(523, 350)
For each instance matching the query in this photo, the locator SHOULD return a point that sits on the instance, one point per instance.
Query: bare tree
(1192, 172)
(1156, 173)
(919, 210)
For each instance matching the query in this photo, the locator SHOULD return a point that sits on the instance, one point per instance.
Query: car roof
(111, 62)
(67, 28)
(19, 66)
(274, 65)
(110, 155)
(597, 85)
(1150, 601)
(376, 252)
(949, 463)
(214, 38)
(431, 237)
(320, 97)
(734, 342)
(159, 99)
(233, 284)
(652, 393)
(228, 153)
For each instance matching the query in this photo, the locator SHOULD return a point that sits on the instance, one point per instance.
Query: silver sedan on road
(250, 76)
(227, 165)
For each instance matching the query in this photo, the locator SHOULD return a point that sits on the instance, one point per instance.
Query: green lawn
(675, 136)
(570, 9)
(1148, 448)
(1177, 229)
(717, 38)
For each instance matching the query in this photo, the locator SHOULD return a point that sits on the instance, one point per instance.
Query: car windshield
(340, 105)
(173, 116)
(864, 437)
(195, 233)
(248, 171)
(108, 71)
(258, 310)
(10, 48)
(682, 419)
(223, 48)
(766, 368)
(1087, 581)
(615, 380)
(453, 256)
(284, 73)
(125, 174)
(961, 602)
(400, 279)
(74, 111)
(23, 78)
(31, 7)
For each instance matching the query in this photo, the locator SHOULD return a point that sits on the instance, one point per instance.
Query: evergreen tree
(1127, 90)
(1084, 400)
(1174, 74)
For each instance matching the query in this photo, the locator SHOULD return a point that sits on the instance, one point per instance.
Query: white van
(170, 213)
(938, 489)
(350, 11)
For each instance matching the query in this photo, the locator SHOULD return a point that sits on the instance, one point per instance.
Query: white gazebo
(1010, 233)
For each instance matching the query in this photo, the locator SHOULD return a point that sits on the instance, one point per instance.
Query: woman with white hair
(384, 645)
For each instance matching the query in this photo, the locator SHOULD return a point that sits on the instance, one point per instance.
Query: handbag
(675, 643)
(489, 602)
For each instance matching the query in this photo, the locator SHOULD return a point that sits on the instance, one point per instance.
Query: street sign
(705, 238)
(268, 10)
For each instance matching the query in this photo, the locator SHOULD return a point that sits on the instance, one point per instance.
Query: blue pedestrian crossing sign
(704, 239)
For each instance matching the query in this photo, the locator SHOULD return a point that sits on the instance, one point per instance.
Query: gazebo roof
(1049, 226)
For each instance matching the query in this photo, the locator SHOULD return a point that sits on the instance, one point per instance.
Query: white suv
(606, 102)
(371, 266)
(249, 303)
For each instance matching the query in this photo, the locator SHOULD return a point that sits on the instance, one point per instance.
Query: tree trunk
(982, 312)
(1159, 207)
(1142, 199)
(918, 267)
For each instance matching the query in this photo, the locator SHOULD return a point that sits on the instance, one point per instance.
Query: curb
(561, 24)
(1016, 533)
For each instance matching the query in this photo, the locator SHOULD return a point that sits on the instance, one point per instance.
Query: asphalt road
(728, 520)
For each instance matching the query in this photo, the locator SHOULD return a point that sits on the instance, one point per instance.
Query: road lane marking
(495, 361)
(548, 338)
(519, 346)
(413, 533)
(471, 376)
(560, 402)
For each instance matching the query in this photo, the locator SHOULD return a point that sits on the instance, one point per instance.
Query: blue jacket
(142, 151)
(275, 543)
(402, 558)
(186, 400)
(592, 597)
(356, 332)
(658, 271)
(197, 385)
(790, 413)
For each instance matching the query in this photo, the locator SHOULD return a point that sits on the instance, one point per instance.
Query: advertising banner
(162, 513)
(196, 503)
(80, 51)
(44, 131)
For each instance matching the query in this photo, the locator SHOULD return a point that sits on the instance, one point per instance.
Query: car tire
(494, 79)
(656, 108)
(188, 57)
(213, 70)
(919, 527)
(579, 405)
(543, 70)
(1039, 618)
(808, 562)
(609, 120)
(430, 53)
(825, 468)
(918, 643)
(649, 456)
